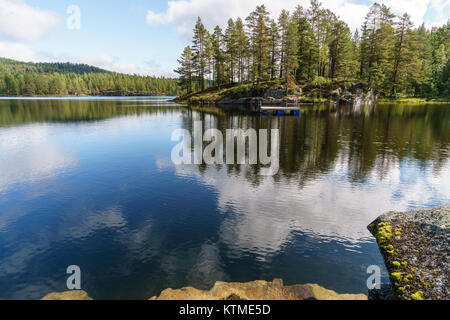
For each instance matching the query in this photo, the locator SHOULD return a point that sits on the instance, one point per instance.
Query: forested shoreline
(313, 45)
(308, 46)
(67, 79)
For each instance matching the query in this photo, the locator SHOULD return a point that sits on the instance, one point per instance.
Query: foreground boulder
(257, 290)
(68, 295)
(416, 246)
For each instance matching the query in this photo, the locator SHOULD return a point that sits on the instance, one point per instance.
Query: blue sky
(147, 36)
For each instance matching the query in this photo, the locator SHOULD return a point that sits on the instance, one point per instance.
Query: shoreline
(238, 101)
(348, 91)
(83, 96)
(222, 291)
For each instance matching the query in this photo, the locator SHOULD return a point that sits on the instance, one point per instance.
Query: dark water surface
(90, 182)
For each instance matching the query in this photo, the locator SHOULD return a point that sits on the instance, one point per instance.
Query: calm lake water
(90, 182)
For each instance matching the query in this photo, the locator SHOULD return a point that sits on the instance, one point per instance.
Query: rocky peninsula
(342, 91)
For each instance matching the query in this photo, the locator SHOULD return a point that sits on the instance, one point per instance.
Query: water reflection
(22, 111)
(339, 169)
(90, 182)
(374, 138)
(22, 158)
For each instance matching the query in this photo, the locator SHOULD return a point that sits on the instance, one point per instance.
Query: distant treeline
(13, 66)
(67, 79)
(312, 44)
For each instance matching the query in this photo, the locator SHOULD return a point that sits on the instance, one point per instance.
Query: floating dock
(280, 111)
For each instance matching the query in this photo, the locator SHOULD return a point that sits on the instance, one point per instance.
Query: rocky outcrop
(339, 91)
(68, 295)
(416, 249)
(357, 94)
(257, 290)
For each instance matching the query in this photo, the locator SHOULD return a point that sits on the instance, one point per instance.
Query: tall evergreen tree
(377, 47)
(290, 62)
(218, 56)
(274, 49)
(341, 58)
(231, 48)
(243, 49)
(283, 25)
(306, 48)
(186, 69)
(258, 22)
(403, 54)
(199, 49)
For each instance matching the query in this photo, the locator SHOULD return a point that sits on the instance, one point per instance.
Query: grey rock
(384, 293)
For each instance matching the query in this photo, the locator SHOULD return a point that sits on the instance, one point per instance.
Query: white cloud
(441, 10)
(111, 63)
(440, 7)
(22, 52)
(20, 21)
(183, 13)
(415, 8)
(17, 51)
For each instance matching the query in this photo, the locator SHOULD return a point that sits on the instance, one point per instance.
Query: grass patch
(414, 101)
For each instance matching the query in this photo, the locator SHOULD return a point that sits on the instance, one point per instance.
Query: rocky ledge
(416, 246)
(68, 295)
(255, 290)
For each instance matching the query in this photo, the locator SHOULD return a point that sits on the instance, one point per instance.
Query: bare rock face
(68, 295)
(416, 249)
(257, 290)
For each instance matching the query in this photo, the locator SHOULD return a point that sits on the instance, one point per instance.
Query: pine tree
(306, 49)
(315, 18)
(199, 49)
(218, 56)
(340, 56)
(403, 53)
(257, 23)
(356, 53)
(230, 40)
(274, 50)
(186, 69)
(283, 25)
(243, 49)
(290, 52)
(377, 47)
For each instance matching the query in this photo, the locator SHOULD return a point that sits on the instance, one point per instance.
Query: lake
(90, 182)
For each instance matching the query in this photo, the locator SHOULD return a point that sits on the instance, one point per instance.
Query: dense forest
(67, 79)
(388, 53)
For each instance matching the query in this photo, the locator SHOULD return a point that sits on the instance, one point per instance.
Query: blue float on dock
(280, 111)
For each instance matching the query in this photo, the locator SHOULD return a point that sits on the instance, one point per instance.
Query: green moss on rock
(417, 296)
